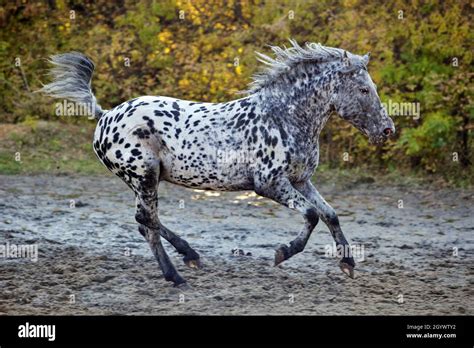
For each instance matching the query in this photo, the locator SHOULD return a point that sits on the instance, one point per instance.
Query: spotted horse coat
(266, 141)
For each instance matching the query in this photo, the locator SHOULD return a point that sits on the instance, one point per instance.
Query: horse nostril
(388, 131)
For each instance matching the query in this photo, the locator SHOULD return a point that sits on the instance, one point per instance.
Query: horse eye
(364, 90)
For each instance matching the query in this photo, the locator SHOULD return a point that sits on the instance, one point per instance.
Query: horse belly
(204, 176)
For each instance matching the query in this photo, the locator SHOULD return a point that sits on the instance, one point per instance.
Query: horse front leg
(329, 216)
(283, 192)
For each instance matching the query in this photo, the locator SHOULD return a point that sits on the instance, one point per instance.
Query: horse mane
(287, 58)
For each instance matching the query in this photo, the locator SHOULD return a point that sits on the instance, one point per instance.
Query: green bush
(422, 52)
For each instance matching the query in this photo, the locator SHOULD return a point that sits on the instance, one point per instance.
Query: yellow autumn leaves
(204, 50)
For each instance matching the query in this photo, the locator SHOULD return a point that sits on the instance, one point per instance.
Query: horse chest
(303, 164)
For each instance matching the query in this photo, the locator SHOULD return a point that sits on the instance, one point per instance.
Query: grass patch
(348, 177)
(38, 147)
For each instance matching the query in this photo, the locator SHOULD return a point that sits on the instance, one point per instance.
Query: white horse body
(266, 142)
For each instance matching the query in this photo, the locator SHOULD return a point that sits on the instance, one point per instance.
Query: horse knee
(331, 217)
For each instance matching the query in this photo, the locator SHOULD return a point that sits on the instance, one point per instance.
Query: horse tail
(72, 75)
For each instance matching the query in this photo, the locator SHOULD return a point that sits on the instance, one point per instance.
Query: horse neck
(302, 99)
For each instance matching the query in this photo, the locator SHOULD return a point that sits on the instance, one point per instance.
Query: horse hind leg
(146, 189)
(191, 257)
(167, 267)
(143, 178)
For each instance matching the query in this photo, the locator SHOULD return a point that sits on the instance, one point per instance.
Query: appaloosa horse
(277, 126)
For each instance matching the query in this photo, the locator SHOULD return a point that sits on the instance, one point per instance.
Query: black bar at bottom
(416, 330)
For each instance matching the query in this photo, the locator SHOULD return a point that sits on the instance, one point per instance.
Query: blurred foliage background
(203, 50)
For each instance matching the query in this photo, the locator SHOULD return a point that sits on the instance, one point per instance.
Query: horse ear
(346, 63)
(366, 58)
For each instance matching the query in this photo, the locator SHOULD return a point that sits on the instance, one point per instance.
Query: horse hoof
(194, 264)
(347, 269)
(281, 254)
(183, 286)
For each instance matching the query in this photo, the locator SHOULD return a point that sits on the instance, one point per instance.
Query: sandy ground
(417, 260)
